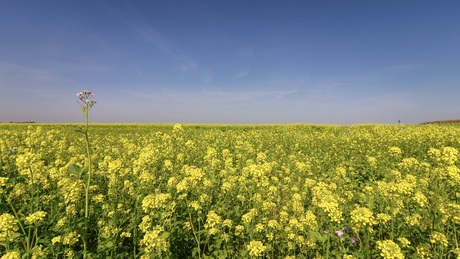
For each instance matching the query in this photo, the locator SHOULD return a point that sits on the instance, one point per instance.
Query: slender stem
(197, 240)
(88, 181)
(17, 217)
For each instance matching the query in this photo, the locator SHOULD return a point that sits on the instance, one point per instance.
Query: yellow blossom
(34, 218)
(8, 226)
(439, 238)
(362, 217)
(389, 250)
(11, 255)
(256, 248)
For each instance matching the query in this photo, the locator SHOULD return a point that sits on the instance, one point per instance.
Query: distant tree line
(443, 121)
(19, 122)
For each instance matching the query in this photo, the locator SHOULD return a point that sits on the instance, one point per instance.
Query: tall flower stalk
(86, 102)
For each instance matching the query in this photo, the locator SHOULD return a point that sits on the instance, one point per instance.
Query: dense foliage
(223, 191)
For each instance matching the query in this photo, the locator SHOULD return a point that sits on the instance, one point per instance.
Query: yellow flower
(146, 223)
(38, 252)
(372, 161)
(327, 201)
(309, 220)
(98, 198)
(256, 248)
(213, 231)
(249, 216)
(413, 220)
(424, 251)
(389, 249)
(394, 151)
(439, 238)
(125, 234)
(449, 155)
(456, 251)
(362, 217)
(56, 240)
(71, 238)
(259, 227)
(11, 255)
(273, 224)
(153, 240)
(70, 254)
(195, 205)
(34, 218)
(404, 242)
(239, 229)
(7, 227)
(152, 202)
(213, 219)
(227, 223)
(383, 218)
(421, 199)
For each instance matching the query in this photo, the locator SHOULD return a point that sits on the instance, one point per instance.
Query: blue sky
(332, 62)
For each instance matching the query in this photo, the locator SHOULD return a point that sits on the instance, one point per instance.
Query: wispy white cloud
(166, 46)
(23, 77)
(242, 73)
(214, 95)
(407, 67)
(88, 34)
(206, 75)
(245, 53)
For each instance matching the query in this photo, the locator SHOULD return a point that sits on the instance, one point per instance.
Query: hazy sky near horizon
(333, 62)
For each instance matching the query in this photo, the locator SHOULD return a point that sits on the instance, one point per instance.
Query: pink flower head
(339, 233)
(353, 240)
(85, 98)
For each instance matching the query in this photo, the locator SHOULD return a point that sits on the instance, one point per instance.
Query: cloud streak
(242, 73)
(163, 44)
(88, 34)
(407, 67)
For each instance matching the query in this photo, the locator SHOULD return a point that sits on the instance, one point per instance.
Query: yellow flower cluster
(11, 255)
(35, 217)
(389, 249)
(327, 200)
(256, 248)
(213, 222)
(152, 202)
(8, 226)
(395, 151)
(154, 242)
(439, 239)
(362, 217)
(274, 191)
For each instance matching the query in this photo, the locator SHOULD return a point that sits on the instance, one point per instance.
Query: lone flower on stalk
(85, 99)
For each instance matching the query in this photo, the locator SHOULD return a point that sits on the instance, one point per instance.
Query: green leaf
(80, 130)
(76, 170)
(318, 236)
(165, 234)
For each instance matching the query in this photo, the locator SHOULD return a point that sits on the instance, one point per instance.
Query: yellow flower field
(230, 191)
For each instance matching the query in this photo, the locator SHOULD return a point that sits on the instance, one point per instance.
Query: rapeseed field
(229, 191)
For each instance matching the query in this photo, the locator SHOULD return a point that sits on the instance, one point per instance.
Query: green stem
(17, 217)
(88, 182)
(197, 240)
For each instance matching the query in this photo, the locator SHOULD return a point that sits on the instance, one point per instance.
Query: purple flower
(85, 98)
(339, 233)
(353, 240)
(345, 229)
(326, 231)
